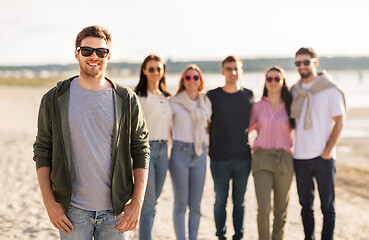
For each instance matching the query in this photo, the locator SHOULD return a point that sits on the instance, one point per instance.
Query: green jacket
(130, 144)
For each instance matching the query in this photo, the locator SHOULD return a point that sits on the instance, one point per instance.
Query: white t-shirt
(158, 115)
(325, 105)
(182, 129)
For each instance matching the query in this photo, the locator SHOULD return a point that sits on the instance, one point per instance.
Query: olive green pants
(272, 170)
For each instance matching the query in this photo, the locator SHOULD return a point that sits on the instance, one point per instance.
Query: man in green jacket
(91, 135)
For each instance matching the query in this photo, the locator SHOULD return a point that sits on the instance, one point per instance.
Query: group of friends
(101, 149)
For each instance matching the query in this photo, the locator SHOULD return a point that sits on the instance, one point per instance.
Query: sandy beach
(23, 216)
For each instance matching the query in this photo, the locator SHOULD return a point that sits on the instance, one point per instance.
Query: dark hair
(231, 59)
(93, 31)
(181, 86)
(285, 93)
(307, 51)
(141, 88)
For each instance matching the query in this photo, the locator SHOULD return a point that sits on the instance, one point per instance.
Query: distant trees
(123, 68)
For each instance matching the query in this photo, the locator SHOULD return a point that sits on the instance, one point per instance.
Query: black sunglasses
(270, 79)
(229, 69)
(151, 69)
(306, 62)
(88, 51)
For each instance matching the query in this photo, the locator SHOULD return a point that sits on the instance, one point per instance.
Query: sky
(36, 32)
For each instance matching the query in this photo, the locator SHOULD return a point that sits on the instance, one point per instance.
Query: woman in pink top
(272, 162)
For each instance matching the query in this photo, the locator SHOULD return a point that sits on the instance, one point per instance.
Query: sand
(23, 216)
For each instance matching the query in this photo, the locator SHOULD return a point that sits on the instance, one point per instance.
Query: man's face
(92, 66)
(306, 65)
(232, 72)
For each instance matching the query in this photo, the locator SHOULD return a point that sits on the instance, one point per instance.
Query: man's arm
(132, 211)
(53, 208)
(140, 153)
(333, 137)
(42, 148)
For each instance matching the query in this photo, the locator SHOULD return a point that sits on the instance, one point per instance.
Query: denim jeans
(157, 172)
(324, 173)
(98, 224)
(223, 172)
(188, 177)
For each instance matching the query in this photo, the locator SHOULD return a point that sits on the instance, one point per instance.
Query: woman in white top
(187, 165)
(152, 93)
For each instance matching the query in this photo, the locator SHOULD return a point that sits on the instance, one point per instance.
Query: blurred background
(37, 44)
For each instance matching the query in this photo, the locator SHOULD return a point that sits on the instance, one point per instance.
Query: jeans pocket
(324, 159)
(72, 209)
(111, 218)
(177, 147)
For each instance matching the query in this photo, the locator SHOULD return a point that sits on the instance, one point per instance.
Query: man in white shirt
(319, 110)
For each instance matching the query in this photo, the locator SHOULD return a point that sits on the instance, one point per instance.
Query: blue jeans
(98, 224)
(324, 172)
(157, 172)
(223, 172)
(188, 178)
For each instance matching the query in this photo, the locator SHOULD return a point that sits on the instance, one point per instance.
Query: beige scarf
(199, 115)
(324, 82)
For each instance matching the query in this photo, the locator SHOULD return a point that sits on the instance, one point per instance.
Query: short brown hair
(93, 31)
(231, 59)
(307, 51)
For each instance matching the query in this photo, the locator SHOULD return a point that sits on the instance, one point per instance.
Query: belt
(158, 141)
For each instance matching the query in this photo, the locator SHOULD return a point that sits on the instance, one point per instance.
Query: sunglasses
(188, 77)
(229, 69)
(306, 62)
(88, 51)
(270, 79)
(158, 69)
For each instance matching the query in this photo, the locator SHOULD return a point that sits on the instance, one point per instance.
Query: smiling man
(319, 110)
(229, 148)
(91, 134)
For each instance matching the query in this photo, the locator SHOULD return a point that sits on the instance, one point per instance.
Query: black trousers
(323, 172)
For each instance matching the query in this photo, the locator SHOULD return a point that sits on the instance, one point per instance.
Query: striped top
(274, 131)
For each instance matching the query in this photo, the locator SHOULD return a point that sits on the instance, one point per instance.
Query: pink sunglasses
(188, 77)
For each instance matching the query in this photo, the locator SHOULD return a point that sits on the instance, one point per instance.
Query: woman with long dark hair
(187, 166)
(272, 162)
(152, 93)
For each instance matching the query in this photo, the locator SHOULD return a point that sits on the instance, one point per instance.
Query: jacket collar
(62, 102)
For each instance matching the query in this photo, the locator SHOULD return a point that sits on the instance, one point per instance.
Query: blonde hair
(181, 86)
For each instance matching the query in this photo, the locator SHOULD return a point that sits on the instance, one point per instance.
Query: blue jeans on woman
(157, 172)
(324, 172)
(188, 177)
(223, 172)
(98, 224)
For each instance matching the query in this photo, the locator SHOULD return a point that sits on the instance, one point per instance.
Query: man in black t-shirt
(229, 148)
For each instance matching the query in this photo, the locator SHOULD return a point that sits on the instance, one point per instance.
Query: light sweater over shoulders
(325, 105)
(183, 125)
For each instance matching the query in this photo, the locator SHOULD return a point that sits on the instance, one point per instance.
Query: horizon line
(173, 60)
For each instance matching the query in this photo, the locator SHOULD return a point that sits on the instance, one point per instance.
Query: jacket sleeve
(42, 147)
(140, 148)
